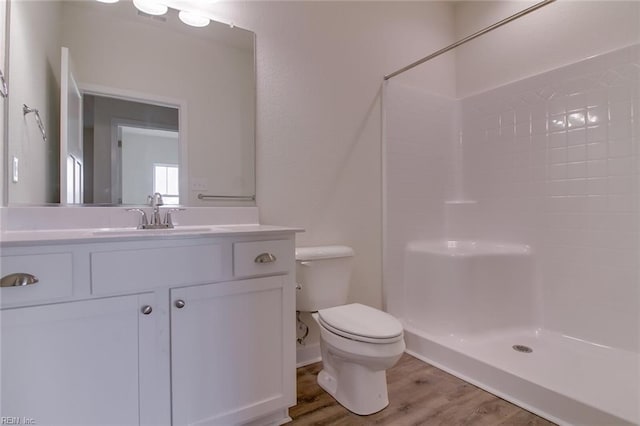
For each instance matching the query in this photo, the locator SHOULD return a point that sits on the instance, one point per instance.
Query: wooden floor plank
(419, 394)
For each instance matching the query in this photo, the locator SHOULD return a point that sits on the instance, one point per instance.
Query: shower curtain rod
(471, 37)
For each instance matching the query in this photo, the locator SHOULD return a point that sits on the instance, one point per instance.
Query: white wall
(34, 80)
(558, 34)
(3, 101)
(320, 69)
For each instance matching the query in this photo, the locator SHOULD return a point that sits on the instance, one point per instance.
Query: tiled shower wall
(553, 162)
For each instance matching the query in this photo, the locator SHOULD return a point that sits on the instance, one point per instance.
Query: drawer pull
(146, 309)
(18, 279)
(265, 258)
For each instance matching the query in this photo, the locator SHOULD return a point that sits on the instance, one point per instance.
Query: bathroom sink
(166, 231)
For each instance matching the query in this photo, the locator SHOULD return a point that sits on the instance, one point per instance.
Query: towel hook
(26, 110)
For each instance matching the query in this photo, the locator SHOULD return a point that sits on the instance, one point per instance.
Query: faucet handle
(168, 221)
(143, 218)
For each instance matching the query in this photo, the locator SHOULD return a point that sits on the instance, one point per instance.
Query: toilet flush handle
(302, 263)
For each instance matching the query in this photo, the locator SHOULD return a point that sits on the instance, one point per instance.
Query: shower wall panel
(419, 129)
(553, 162)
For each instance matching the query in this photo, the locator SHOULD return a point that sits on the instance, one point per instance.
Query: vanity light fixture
(193, 19)
(156, 8)
(150, 7)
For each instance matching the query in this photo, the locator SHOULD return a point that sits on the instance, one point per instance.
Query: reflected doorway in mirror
(123, 138)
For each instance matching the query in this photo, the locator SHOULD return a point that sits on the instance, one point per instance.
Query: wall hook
(26, 110)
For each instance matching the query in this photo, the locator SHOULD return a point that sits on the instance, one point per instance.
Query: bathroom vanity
(195, 326)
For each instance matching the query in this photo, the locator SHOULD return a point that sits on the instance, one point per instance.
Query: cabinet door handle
(179, 303)
(18, 279)
(265, 258)
(146, 309)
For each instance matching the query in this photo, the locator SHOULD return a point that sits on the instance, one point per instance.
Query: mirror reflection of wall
(122, 141)
(119, 52)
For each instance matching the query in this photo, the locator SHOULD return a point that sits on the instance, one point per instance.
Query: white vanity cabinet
(73, 363)
(227, 351)
(194, 330)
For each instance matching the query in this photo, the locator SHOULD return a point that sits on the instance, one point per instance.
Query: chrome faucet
(155, 201)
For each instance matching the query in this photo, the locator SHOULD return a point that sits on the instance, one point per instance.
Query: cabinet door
(230, 351)
(73, 363)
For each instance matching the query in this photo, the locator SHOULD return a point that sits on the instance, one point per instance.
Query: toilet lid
(357, 321)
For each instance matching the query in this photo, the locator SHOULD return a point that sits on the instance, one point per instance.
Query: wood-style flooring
(419, 394)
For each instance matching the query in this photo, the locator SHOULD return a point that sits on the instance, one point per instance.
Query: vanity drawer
(126, 271)
(261, 257)
(54, 272)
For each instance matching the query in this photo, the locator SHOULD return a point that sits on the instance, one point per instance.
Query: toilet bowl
(357, 343)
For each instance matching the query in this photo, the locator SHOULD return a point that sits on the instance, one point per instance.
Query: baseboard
(308, 354)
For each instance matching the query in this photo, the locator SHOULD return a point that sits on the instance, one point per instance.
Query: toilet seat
(361, 323)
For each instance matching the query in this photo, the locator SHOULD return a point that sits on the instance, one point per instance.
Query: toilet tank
(323, 275)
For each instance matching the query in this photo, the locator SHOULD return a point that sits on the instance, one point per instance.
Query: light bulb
(150, 7)
(193, 19)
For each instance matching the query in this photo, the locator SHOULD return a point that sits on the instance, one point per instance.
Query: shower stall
(511, 209)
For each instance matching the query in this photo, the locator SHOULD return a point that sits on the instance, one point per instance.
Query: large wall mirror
(129, 104)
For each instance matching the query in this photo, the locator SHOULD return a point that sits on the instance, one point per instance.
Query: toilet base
(359, 390)
(355, 372)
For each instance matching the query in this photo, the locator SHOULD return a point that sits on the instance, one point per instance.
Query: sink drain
(522, 348)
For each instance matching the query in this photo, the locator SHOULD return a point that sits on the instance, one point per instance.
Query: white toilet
(358, 343)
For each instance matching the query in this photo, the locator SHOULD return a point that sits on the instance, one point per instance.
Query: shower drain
(522, 348)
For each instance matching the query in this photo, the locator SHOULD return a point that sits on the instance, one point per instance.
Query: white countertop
(93, 235)
(26, 226)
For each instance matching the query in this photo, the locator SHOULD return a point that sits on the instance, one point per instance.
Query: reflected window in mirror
(166, 182)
